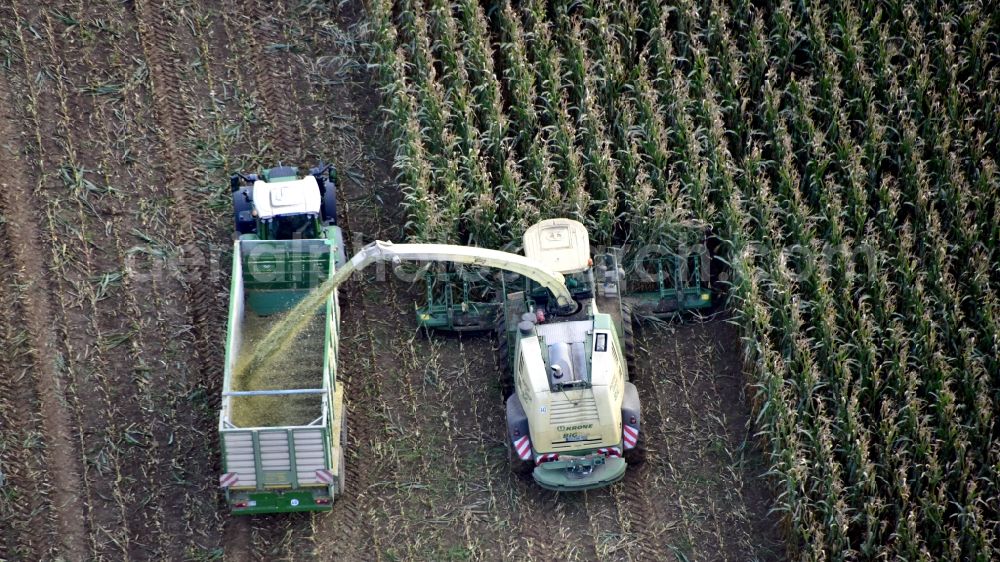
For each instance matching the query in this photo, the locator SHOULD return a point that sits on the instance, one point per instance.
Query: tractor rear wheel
(636, 455)
(628, 337)
(329, 209)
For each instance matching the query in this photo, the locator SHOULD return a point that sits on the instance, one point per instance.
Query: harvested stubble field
(872, 394)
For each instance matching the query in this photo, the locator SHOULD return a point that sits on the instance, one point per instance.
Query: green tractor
(280, 205)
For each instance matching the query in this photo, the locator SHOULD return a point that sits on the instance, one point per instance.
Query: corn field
(844, 152)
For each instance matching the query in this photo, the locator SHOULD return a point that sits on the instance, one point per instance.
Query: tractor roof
(561, 244)
(286, 197)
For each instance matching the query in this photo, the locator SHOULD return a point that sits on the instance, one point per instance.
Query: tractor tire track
(170, 110)
(27, 484)
(480, 375)
(70, 267)
(271, 83)
(203, 276)
(20, 210)
(171, 107)
(26, 480)
(353, 526)
(359, 373)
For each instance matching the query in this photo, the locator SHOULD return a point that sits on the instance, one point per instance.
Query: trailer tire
(628, 341)
(342, 477)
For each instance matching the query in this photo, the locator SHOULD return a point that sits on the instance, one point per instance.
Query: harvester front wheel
(628, 337)
(503, 354)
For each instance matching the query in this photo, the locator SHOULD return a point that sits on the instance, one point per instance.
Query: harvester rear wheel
(628, 337)
(518, 466)
(636, 455)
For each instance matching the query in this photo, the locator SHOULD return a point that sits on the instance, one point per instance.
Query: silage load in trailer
(281, 424)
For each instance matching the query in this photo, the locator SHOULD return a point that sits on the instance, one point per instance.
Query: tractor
(280, 205)
(283, 431)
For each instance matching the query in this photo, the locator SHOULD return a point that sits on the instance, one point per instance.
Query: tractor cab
(287, 207)
(280, 205)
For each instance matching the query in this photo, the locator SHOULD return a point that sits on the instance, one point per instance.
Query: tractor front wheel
(243, 219)
(329, 210)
